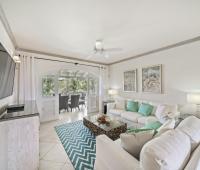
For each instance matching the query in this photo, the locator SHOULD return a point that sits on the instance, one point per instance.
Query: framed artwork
(130, 81)
(152, 79)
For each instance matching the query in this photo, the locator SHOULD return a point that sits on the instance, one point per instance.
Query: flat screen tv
(7, 73)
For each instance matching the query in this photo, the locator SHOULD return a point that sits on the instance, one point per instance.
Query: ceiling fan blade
(113, 49)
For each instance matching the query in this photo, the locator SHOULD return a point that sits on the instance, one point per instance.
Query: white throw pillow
(162, 112)
(169, 151)
(168, 125)
(133, 142)
(191, 127)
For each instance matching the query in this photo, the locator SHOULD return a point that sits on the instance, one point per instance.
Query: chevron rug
(79, 143)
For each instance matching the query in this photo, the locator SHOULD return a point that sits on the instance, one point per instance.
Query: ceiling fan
(100, 50)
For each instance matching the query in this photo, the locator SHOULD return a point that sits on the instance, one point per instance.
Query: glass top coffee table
(112, 129)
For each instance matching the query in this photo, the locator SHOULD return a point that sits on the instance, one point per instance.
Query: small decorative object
(130, 81)
(48, 86)
(102, 120)
(152, 79)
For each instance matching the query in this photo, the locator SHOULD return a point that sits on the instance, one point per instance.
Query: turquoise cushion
(135, 130)
(132, 106)
(145, 109)
(152, 125)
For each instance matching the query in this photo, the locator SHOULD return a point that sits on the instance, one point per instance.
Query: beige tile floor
(52, 153)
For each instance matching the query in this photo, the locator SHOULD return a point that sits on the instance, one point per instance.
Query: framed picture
(152, 79)
(130, 81)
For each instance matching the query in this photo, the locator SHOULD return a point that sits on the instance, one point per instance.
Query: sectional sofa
(175, 149)
(119, 109)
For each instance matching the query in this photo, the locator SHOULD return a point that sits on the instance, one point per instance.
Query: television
(7, 73)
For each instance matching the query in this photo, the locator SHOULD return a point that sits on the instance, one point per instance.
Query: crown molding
(59, 56)
(178, 44)
(7, 27)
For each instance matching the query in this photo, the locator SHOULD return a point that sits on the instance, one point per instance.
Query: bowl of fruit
(103, 120)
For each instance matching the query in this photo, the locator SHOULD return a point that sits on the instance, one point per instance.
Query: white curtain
(26, 79)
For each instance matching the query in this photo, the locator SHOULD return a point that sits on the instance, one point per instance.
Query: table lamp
(111, 93)
(194, 98)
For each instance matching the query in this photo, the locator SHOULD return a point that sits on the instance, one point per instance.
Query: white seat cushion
(132, 116)
(170, 151)
(191, 127)
(194, 162)
(116, 111)
(147, 119)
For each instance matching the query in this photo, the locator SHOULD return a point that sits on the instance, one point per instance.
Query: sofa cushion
(168, 125)
(145, 109)
(194, 162)
(191, 127)
(152, 125)
(132, 106)
(110, 156)
(147, 119)
(116, 112)
(162, 112)
(132, 116)
(169, 151)
(133, 142)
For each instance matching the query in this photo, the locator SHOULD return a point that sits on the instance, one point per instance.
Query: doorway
(78, 90)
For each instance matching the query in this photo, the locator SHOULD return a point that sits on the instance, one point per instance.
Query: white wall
(181, 73)
(6, 42)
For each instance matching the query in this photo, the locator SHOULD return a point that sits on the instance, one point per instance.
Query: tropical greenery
(73, 83)
(48, 86)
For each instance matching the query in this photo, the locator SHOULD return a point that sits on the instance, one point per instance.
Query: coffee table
(113, 130)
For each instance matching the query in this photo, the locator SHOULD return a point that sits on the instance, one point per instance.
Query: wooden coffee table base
(112, 134)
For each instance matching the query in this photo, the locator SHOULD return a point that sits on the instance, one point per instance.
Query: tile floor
(52, 153)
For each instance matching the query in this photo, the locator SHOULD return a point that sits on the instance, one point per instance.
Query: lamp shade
(112, 92)
(193, 98)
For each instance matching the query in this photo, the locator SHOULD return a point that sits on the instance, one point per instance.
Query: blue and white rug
(79, 143)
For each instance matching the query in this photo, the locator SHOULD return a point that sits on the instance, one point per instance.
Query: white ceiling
(70, 27)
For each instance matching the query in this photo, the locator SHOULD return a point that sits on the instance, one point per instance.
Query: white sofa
(176, 149)
(118, 109)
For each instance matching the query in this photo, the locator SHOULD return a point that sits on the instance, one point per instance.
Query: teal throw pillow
(145, 109)
(132, 106)
(152, 125)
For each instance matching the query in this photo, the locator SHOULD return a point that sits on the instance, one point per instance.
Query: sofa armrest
(110, 156)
